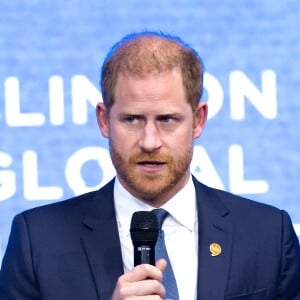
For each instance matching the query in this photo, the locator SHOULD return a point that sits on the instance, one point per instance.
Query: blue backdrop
(50, 57)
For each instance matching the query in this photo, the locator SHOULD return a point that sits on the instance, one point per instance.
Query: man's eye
(130, 119)
(165, 119)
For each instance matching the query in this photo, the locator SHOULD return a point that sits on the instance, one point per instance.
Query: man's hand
(142, 282)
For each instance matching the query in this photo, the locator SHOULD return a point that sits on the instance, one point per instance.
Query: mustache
(150, 157)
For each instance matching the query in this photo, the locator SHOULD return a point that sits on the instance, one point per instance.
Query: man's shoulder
(77, 205)
(247, 217)
(235, 204)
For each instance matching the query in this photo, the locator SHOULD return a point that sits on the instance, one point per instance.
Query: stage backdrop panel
(50, 57)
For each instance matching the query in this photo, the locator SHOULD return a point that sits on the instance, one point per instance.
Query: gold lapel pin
(215, 249)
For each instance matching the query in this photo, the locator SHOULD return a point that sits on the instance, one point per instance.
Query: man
(220, 246)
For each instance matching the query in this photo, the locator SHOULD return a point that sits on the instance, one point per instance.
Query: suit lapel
(101, 242)
(214, 228)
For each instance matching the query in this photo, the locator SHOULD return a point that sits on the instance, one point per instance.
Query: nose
(150, 139)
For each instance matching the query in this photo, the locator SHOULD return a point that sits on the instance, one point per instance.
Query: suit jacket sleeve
(289, 283)
(17, 278)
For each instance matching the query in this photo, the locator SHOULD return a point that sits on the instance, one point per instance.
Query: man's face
(151, 128)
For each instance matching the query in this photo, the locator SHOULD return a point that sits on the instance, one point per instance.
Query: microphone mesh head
(144, 227)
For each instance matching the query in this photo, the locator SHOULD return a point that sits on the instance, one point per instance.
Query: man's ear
(200, 119)
(102, 119)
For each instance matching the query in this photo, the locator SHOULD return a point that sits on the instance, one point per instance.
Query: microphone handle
(144, 254)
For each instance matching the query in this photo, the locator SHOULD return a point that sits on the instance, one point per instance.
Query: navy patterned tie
(169, 281)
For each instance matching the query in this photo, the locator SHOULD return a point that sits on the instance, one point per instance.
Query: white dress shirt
(181, 234)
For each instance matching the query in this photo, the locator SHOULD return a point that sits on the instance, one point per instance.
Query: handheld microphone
(144, 233)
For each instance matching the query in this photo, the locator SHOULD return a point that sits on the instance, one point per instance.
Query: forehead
(156, 89)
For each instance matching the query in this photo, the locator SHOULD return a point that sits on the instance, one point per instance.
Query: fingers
(142, 288)
(142, 281)
(144, 271)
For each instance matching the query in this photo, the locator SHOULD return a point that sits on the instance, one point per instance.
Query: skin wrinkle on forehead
(173, 72)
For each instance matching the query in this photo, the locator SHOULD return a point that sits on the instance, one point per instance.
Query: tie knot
(160, 214)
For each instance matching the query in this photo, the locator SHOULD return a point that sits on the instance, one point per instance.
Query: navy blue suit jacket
(71, 250)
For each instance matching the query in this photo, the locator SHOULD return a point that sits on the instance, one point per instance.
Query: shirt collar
(181, 207)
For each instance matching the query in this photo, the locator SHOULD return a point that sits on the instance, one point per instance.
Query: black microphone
(144, 233)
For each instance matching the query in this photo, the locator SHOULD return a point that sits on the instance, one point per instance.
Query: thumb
(161, 264)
